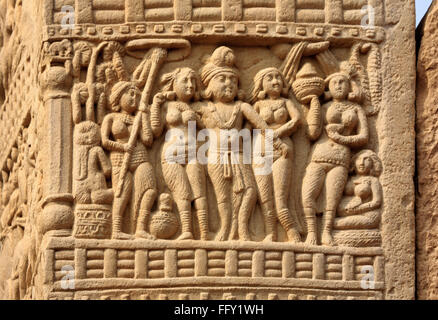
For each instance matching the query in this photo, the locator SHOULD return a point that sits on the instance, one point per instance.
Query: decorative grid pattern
(301, 11)
(155, 262)
(18, 102)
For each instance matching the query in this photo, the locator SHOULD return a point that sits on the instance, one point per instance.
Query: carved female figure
(139, 181)
(345, 127)
(185, 177)
(222, 113)
(359, 209)
(283, 118)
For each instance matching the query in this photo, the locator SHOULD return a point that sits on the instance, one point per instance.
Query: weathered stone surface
(106, 194)
(426, 127)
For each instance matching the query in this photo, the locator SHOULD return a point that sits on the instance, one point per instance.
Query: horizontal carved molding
(229, 31)
(70, 243)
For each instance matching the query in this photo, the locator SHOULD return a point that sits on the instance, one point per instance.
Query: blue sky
(422, 6)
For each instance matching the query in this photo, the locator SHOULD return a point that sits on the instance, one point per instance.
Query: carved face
(339, 87)
(273, 83)
(185, 85)
(87, 133)
(224, 87)
(83, 95)
(85, 56)
(363, 164)
(130, 99)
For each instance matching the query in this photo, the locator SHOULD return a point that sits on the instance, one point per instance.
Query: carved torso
(360, 186)
(177, 116)
(273, 112)
(121, 129)
(325, 149)
(221, 117)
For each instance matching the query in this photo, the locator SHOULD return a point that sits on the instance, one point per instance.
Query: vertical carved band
(333, 11)
(285, 10)
(83, 11)
(183, 9)
(134, 10)
(232, 10)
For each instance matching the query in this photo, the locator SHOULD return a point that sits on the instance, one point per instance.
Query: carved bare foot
(186, 236)
(144, 235)
(311, 239)
(244, 237)
(327, 239)
(221, 236)
(293, 236)
(244, 234)
(269, 238)
(122, 236)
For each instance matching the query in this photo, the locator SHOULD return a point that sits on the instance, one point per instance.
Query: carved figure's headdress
(221, 61)
(262, 73)
(117, 92)
(347, 71)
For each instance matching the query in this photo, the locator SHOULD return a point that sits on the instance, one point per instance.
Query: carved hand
(159, 99)
(142, 107)
(281, 146)
(128, 148)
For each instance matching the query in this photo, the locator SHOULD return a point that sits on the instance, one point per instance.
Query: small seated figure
(360, 207)
(92, 166)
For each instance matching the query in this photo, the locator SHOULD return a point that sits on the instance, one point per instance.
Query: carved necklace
(230, 124)
(182, 107)
(343, 106)
(126, 118)
(276, 105)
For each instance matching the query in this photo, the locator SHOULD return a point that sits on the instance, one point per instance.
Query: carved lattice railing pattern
(300, 11)
(128, 265)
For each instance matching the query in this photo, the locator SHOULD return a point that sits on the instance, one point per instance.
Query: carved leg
(102, 196)
(203, 223)
(246, 209)
(185, 213)
(119, 207)
(335, 184)
(312, 185)
(268, 211)
(282, 172)
(225, 212)
(327, 226)
(117, 221)
(222, 189)
(145, 194)
(146, 204)
(266, 200)
(202, 213)
(368, 220)
(186, 225)
(311, 226)
(289, 225)
(270, 226)
(141, 225)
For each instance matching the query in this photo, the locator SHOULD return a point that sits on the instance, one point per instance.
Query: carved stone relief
(238, 143)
